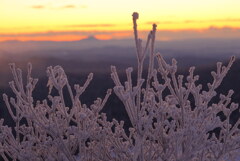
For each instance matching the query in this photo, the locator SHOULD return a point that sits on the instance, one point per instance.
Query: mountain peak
(90, 38)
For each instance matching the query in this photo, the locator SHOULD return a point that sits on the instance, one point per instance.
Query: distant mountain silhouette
(190, 47)
(90, 38)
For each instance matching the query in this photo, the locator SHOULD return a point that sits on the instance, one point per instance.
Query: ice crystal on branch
(177, 126)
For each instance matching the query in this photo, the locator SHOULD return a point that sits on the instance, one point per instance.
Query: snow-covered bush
(172, 117)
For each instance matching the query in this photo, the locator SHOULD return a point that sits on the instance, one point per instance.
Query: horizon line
(124, 39)
(164, 35)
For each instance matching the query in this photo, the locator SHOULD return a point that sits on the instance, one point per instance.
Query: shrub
(172, 117)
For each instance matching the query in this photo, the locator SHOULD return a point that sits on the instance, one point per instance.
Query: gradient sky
(64, 20)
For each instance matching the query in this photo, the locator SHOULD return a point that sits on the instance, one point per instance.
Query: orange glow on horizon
(45, 38)
(125, 34)
(103, 37)
(47, 21)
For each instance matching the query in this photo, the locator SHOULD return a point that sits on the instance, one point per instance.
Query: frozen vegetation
(172, 116)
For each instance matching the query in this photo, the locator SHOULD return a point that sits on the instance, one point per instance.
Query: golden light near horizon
(38, 20)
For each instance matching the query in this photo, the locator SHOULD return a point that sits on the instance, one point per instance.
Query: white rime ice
(172, 117)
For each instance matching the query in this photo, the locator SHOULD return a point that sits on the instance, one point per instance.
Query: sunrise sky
(69, 20)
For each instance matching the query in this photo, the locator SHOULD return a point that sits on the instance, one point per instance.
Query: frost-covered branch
(172, 117)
